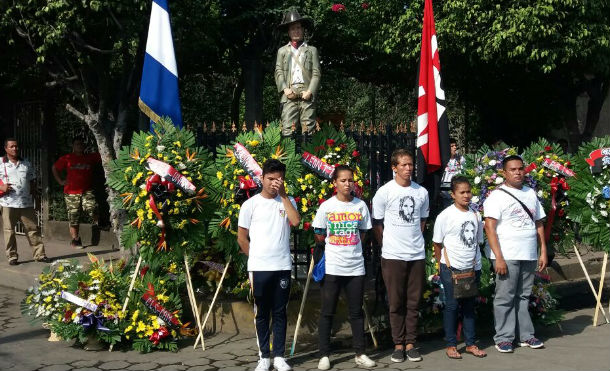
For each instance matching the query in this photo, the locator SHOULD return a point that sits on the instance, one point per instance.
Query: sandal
(453, 353)
(475, 351)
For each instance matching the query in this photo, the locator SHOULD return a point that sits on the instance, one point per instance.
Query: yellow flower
(427, 294)
(303, 187)
(337, 149)
(129, 328)
(304, 209)
(135, 315)
(141, 326)
(300, 180)
(178, 143)
(162, 298)
(219, 175)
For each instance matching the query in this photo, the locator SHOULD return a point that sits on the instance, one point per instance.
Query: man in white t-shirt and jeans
(400, 209)
(514, 228)
(264, 236)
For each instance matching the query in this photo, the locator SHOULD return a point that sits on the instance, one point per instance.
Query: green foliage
(588, 204)
(183, 214)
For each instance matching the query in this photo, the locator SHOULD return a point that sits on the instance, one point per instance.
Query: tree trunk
(252, 71)
(597, 90)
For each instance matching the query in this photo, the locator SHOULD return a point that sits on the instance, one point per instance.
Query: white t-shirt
(516, 230)
(269, 229)
(460, 232)
(19, 176)
(343, 222)
(402, 209)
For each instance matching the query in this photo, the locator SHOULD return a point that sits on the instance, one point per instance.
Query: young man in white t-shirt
(513, 234)
(400, 209)
(264, 235)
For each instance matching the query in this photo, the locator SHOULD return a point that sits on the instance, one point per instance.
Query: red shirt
(79, 169)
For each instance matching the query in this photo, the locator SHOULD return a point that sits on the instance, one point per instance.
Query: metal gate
(29, 127)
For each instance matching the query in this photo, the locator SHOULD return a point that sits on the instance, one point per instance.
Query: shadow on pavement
(24, 335)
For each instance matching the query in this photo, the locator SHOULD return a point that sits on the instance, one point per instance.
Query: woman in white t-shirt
(458, 231)
(340, 224)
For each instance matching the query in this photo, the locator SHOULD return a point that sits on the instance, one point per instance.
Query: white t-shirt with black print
(269, 229)
(460, 232)
(343, 222)
(402, 209)
(516, 230)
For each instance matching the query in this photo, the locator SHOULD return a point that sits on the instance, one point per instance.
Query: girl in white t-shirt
(458, 231)
(340, 223)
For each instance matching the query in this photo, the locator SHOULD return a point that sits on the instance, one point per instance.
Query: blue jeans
(452, 307)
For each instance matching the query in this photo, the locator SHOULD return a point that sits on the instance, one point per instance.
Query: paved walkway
(23, 347)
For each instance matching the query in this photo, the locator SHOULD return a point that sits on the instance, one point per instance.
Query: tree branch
(77, 38)
(75, 112)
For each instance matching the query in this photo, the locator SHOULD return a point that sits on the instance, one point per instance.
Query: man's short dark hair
(458, 179)
(273, 166)
(398, 154)
(452, 141)
(511, 158)
(10, 139)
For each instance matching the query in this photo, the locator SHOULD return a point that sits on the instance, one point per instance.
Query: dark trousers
(452, 308)
(404, 281)
(271, 290)
(330, 288)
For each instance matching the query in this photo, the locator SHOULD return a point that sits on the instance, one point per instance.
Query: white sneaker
(364, 361)
(279, 363)
(324, 364)
(263, 364)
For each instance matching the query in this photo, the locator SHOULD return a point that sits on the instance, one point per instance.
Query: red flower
(319, 148)
(320, 201)
(337, 8)
(144, 270)
(568, 163)
(331, 142)
(306, 226)
(343, 146)
(68, 316)
(364, 5)
(561, 212)
(355, 153)
(297, 199)
(547, 148)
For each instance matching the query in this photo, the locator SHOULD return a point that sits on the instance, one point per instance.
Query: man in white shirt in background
(514, 228)
(18, 184)
(454, 166)
(400, 209)
(264, 236)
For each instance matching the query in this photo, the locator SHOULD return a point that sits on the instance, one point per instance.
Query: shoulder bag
(464, 280)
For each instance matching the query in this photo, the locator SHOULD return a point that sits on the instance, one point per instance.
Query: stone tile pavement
(576, 346)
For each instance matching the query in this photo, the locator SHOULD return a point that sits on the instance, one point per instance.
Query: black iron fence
(374, 142)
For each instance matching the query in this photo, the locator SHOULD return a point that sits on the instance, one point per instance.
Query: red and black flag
(432, 124)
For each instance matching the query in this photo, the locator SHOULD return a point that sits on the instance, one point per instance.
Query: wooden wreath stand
(596, 294)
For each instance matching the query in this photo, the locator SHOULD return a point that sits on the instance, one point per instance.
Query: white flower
(499, 180)
(475, 199)
(594, 219)
(604, 213)
(492, 162)
(181, 166)
(477, 180)
(160, 148)
(539, 193)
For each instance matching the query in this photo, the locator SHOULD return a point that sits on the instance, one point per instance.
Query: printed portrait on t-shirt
(467, 233)
(343, 228)
(407, 209)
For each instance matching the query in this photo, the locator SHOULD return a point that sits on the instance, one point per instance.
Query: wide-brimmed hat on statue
(293, 16)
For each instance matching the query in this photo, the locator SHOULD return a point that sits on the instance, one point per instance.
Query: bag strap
(474, 261)
(520, 202)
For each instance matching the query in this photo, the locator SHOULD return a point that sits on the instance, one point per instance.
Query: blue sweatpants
(271, 291)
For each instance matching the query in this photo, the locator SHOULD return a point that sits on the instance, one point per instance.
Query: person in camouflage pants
(77, 186)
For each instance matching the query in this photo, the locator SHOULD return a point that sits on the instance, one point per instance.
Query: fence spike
(318, 126)
(267, 124)
(413, 127)
(341, 126)
(213, 127)
(352, 127)
(361, 128)
(205, 127)
(244, 128)
(233, 127)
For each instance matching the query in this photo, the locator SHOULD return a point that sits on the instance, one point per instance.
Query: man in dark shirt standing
(77, 186)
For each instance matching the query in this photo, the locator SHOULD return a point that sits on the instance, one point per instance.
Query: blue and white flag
(159, 88)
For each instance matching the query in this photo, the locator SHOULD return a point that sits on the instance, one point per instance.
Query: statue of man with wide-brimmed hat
(297, 75)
